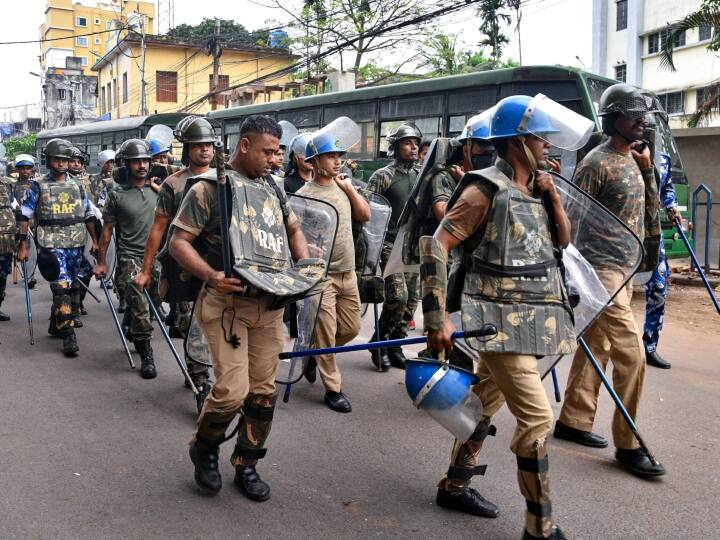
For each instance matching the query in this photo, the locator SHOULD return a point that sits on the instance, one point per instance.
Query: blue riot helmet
(24, 160)
(476, 133)
(478, 126)
(338, 136)
(158, 147)
(444, 392)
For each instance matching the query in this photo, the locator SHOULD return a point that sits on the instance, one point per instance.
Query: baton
(28, 304)
(618, 402)
(87, 289)
(168, 340)
(488, 330)
(117, 323)
(14, 271)
(556, 385)
(695, 261)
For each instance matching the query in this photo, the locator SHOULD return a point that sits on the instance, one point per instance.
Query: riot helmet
(194, 129)
(24, 160)
(476, 134)
(628, 101)
(403, 131)
(297, 148)
(289, 132)
(58, 148)
(338, 136)
(134, 149)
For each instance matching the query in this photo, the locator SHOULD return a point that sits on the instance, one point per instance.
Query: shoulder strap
(281, 197)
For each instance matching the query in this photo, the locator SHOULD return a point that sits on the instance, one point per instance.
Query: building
(627, 38)
(178, 73)
(69, 96)
(66, 22)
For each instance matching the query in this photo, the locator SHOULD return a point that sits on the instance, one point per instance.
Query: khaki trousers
(614, 336)
(248, 369)
(338, 323)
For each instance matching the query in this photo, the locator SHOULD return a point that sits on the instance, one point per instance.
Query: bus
(97, 136)
(440, 107)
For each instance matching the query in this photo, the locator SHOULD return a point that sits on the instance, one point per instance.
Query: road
(91, 450)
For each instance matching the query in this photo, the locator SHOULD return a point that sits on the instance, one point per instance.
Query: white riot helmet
(24, 160)
(105, 156)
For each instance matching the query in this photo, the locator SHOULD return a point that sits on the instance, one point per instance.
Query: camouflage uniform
(8, 229)
(130, 210)
(65, 296)
(616, 181)
(169, 198)
(507, 367)
(656, 290)
(394, 182)
(100, 185)
(245, 374)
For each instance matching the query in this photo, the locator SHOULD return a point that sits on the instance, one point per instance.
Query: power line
(58, 38)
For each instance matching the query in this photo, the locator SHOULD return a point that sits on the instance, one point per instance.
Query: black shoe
(31, 283)
(77, 323)
(397, 358)
(54, 332)
(637, 462)
(203, 392)
(586, 438)
(310, 373)
(70, 346)
(555, 534)
(83, 311)
(251, 485)
(121, 306)
(4, 317)
(175, 332)
(468, 501)
(655, 360)
(147, 362)
(337, 402)
(205, 458)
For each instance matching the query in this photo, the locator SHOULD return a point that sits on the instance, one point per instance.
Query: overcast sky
(553, 32)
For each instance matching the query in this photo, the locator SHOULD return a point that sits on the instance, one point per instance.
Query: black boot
(310, 372)
(250, 483)
(204, 456)
(52, 328)
(4, 317)
(121, 306)
(32, 282)
(77, 323)
(380, 357)
(338, 402)
(147, 363)
(468, 501)
(70, 346)
(638, 463)
(655, 360)
(397, 357)
(83, 311)
(555, 534)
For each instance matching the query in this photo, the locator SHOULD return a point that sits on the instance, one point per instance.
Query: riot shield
(161, 133)
(374, 233)
(318, 220)
(600, 244)
(110, 258)
(31, 264)
(195, 344)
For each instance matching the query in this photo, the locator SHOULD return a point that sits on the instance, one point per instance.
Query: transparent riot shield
(318, 220)
(374, 234)
(195, 344)
(601, 259)
(32, 257)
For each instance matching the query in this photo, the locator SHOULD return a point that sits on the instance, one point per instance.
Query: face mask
(482, 161)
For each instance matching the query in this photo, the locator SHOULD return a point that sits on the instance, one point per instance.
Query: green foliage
(19, 145)
(441, 54)
(231, 33)
(492, 19)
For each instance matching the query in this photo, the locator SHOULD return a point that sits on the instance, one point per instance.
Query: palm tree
(492, 21)
(708, 15)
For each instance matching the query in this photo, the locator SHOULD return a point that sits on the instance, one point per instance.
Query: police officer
(130, 209)
(299, 171)
(25, 168)
(616, 173)
(523, 306)
(102, 182)
(197, 136)
(61, 208)
(656, 289)
(394, 182)
(244, 334)
(8, 231)
(338, 321)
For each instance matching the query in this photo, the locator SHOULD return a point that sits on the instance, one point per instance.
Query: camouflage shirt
(395, 183)
(442, 185)
(199, 215)
(32, 196)
(100, 186)
(171, 193)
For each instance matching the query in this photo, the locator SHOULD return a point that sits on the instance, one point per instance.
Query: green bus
(97, 136)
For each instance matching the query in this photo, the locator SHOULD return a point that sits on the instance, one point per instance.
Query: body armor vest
(8, 226)
(61, 214)
(513, 279)
(397, 195)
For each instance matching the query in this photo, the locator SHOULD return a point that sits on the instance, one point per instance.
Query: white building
(627, 38)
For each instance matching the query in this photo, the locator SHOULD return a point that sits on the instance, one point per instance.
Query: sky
(553, 32)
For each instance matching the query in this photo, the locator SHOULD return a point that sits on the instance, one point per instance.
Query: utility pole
(143, 99)
(216, 52)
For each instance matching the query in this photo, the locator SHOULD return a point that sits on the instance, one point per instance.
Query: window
(166, 86)
(621, 15)
(81, 21)
(103, 107)
(116, 99)
(83, 61)
(97, 41)
(472, 101)
(621, 73)
(308, 118)
(223, 82)
(359, 112)
(672, 102)
(679, 39)
(704, 32)
(653, 43)
(97, 20)
(413, 106)
(81, 41)
(109, 96)
(108, 25)
(430, 128)
(124, 88)
(708, 97)
(61, 94)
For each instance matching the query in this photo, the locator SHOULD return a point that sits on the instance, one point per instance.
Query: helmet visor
(345, 132)
(161, 133)
(556, 124)
(289, 132)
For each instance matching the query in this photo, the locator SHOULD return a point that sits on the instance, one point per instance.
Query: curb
(693, 280)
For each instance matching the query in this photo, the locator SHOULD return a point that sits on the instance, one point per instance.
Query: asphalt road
(90, 450)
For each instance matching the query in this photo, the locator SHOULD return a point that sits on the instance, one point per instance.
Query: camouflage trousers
(656, 292)
(85, 275)
(402, 292)
(513, 379)
(138, 310)
(5, 270)
(66, 294)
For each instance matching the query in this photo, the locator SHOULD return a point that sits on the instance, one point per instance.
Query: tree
(231, 33)
(516, 5)
(708, 15)
(19, 145)
(442, 55)
(492, 21)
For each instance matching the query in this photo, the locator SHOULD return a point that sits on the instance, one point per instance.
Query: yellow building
(179, 73)
(66, 22)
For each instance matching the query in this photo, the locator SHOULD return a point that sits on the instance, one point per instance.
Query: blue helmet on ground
(24, 160)
(338, 136)
(433, 384)
(158, 147)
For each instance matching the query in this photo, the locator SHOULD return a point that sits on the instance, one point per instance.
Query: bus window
(309, 118)
(456, 124)
(472, 101)
(365, 148)
(430, 128)
(358, 112)
(107, 141)
(412, 106)
(232, 141)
